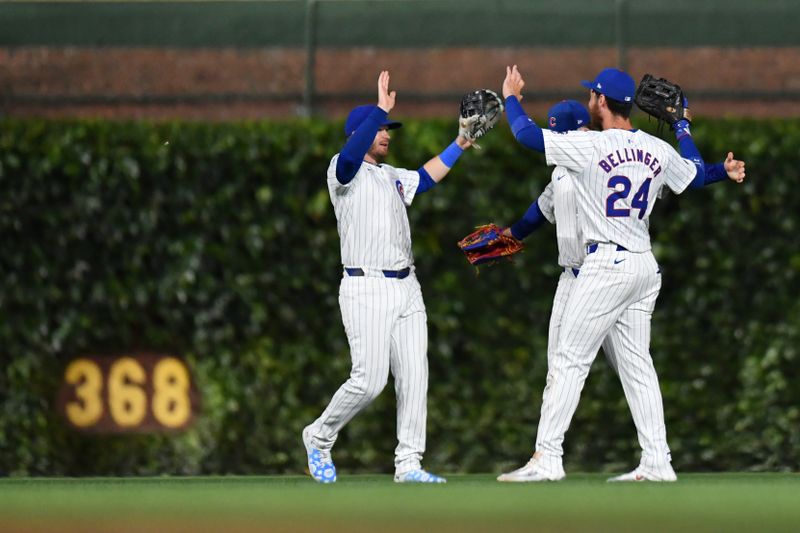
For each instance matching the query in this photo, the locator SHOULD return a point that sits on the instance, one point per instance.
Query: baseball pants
(386, 326)
(608, 304)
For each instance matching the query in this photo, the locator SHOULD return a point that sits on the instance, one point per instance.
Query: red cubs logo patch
(552, 122)
(400, 189)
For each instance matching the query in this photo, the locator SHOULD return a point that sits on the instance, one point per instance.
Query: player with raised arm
(380, 298)
(617, 173)
(557, 205)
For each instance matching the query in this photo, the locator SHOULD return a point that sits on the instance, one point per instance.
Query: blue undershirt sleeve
(354, 150)
(525, 130)
(451, 154)
(715, 172)
(426, 182)
(689, 151)
(530, 221)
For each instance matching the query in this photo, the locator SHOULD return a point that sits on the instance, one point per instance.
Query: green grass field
(698, 502)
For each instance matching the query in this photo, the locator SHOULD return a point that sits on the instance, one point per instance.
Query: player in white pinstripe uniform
(379, 296)
(558, 205)
(610, 302)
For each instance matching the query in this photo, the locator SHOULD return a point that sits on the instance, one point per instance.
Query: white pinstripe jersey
(371, 215)
(618, 174)
(559, 206)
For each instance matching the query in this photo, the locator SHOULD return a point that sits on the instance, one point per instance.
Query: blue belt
(399, 274)
(592, 248)
(575, 271)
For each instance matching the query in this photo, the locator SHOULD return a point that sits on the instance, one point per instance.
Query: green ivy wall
(217, 242)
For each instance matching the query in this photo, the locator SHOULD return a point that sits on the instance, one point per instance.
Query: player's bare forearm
(436, 169)
(438, 166)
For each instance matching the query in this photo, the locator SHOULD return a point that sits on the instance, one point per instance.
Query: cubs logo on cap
(567, 115)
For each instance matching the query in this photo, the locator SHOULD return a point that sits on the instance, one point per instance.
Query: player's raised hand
(734, 168)
(513, 83)
(385, 98)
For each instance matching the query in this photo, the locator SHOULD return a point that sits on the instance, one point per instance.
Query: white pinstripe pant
(609, 304)
(386, 326)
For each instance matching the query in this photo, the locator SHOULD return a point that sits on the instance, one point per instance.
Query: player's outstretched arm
(525, 130)
(530, 222)
(352, 154)
(439, 166)
(540, 210)
(687, 148)
(689, 151)
(730, 169)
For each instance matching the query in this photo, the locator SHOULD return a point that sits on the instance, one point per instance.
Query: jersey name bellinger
(630, 155)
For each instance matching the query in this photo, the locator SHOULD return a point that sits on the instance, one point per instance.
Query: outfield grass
(698, 502)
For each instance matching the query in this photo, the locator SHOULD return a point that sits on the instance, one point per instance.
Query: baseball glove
(480, 111)
(661, 99)
(488, 245)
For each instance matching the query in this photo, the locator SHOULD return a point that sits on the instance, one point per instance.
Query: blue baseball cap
(614, 83)
(567, 115)
(359, 114)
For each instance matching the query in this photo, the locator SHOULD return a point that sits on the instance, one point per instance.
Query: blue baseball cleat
(320, 463)
(418, 476)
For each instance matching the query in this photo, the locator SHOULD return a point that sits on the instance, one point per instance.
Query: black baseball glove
(480, 112)
(662, 99)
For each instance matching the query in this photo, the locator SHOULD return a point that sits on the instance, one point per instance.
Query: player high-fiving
(379, 296)
(617, 173)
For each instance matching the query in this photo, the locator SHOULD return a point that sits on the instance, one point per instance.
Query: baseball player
(557, 204)
(379, 296)
(617, 173)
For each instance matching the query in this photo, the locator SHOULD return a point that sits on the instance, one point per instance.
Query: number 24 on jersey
(639, 201)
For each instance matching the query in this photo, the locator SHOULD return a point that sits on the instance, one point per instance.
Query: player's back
(618, 176)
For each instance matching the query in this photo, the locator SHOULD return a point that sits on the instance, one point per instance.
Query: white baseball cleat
(418, 476)
(320, 463)
(642, 474)
(532, 471)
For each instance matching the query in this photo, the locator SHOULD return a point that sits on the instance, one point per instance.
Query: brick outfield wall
(233, 84)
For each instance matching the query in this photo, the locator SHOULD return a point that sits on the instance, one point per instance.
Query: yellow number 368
(129, 393)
